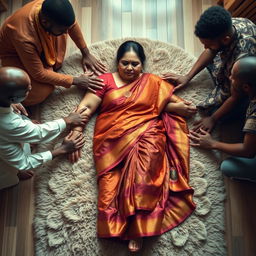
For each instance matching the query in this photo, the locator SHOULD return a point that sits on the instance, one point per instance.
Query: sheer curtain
(169, 21)
(155, 19)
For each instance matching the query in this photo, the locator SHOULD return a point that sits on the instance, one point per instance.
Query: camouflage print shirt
(243, 45)
(250, 123)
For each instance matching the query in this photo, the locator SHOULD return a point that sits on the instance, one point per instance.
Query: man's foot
(135, 244)
(24, 175)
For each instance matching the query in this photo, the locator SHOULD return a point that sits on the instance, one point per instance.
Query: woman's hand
(90, 62)
(202, 139)
(206, 124)
(182, 108)
(76, 155)
(19, 109)
(178, 80)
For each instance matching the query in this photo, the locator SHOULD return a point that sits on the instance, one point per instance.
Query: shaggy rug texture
(66, 194)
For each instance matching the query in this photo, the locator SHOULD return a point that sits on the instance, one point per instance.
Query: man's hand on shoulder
(89, 82)
(179, 81)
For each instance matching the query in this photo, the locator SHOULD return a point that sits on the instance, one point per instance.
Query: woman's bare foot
(25, 175)
(135, 244)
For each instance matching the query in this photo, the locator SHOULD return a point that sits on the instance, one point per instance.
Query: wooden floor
(166, 20)
(240, 204)
(16, 217)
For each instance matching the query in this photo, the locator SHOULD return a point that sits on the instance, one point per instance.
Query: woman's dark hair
(128, 46)
(214, 22)
(60, 11)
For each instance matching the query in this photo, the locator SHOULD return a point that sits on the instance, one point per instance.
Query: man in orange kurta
(34, 39)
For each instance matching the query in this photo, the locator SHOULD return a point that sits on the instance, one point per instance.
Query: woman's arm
(180, 107)
(91, 101)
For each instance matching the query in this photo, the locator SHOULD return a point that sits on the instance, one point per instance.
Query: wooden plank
(228, 219)
(24, 219)
(3, 6)
(10, 229)
(231, 5)
(9, 241)
(249, 12)
(252, 13)
(3, 207)
(253, 20)
(241, 8)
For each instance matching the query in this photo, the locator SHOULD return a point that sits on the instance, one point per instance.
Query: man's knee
(228, 167)
(239, 167)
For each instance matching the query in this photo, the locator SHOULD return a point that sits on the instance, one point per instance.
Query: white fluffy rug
(66, 195)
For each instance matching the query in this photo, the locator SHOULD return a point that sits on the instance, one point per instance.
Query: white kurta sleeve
(27, 132)
(16, 134)
(21, 158)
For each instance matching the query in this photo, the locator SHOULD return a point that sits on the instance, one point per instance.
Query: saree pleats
(142, 162)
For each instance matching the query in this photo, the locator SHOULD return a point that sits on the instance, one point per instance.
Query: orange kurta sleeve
(19, 39)
(76, 35)
(34, 66)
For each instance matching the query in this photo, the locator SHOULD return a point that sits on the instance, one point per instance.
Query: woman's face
(129, 67)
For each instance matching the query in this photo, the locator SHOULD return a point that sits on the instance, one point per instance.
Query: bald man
(243, 165)
(34, 39)
(16, 132)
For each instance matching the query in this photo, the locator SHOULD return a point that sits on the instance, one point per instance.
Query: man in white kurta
(17, 131)
(15, 135)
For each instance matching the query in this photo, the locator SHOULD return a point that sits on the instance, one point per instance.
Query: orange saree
(142, 159)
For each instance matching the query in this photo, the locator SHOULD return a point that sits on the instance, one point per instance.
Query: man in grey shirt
(243, 163)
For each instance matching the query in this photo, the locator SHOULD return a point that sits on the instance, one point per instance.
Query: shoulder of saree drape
(126, 113)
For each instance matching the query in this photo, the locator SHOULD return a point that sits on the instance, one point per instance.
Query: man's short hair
(214, 22)
(60, 11)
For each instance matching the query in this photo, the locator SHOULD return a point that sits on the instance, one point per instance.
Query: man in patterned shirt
(243, 166)
(225, 40)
